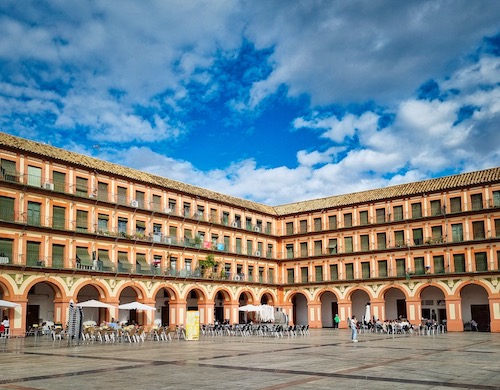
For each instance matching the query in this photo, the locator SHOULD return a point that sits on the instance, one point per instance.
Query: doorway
(32, 315)
(481, 314)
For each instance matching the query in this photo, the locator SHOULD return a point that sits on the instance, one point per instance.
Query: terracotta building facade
(74, 228)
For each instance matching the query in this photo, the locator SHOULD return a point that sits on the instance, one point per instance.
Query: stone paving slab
(326, 359)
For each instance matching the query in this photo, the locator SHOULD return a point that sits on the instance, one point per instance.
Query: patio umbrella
(7, 304)
(94, 303)
(136, 306)
(248, 308)
(368, 315)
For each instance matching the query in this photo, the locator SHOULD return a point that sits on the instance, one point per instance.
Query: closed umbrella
(368, 314)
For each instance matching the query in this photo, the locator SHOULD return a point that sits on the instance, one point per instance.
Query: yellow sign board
(193, 325)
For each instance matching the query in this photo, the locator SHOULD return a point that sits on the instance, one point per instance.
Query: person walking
(336, 321)
(354, 329)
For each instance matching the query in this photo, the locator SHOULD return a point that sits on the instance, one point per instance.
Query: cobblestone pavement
(326, 359)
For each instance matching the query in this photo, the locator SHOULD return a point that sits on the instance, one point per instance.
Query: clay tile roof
(403, 190)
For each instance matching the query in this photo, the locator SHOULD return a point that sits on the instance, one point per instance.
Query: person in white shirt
(354, 329)
(6, 322)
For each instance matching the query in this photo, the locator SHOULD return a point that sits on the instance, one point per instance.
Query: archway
(244, 299)
(299, 302)
(395, 304)
(433, 304)
(475, 307)
(40, 308)
(266, 299)
(127, 295)
(163, 298)
(359, 299)
(96, 314)
(329, 307)
(220, 314)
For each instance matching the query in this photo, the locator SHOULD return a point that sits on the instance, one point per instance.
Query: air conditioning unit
(134, 203)
(168, 210)
(257, 253)
(234, 224)
(256, 229)
(48, 186)
(237, 278)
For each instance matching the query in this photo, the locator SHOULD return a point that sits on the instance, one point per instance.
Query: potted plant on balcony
(207, 265)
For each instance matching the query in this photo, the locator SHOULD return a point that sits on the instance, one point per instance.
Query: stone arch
(6, 287)
(381, 293)
(359, 297)
(300, 304)
(139, 290)
(394, 303)
(476, 313)
(268, 298)
(173, 294)
(249, 295)
(222, 299)
(101, 288)
(464, 283)
(55, 284)
(422, 286)
(329, 300)
(46, 300)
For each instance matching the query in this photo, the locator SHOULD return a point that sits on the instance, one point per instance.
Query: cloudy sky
(274, 101)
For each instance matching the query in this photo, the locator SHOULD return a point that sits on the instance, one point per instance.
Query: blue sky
(273, 101)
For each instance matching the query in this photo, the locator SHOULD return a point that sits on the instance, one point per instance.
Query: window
(349, 271)
(58, 217)
(456, 204)
(172, 206)
(57, 256)
(303, 249)
(249, 247)
(33, 254)
(248, 223)
(225, 218)
(8, 170)
(156, 205)
(187, 209)
(83, 258)
(497, 227)
(435, 207)
(476, 201)
(270, 275)
(7, 209)
(104, 260)
(318, 248)
(250, 273)
(59, 180)
(457, 233)
(416, 210)
(438, 264)
(347, 244)
(82, 186)
(261, 274)
(290, 276)
(437, 234)
(139, 197)
(419, 265)
(289, 251)
(82, 220)
(238, 245)
(334, 272)
(318, 271)
(270, 250)
(303, 226)
(304, 276)
(102, 223)
(400, 267)
(102, 191)
(34, 216)
(399, 238)
(380, 215)
(365, 269)
(347, 219)
(459, 262)
(269, 227)
(381, 241)
(34, 176)
(226, 243)
(213, 216)
(141, 263)
(418, 236)
(481, 261)
(496, 198)
(478, 230)
(332, 222)
(332, 246)
(317, 224)
(365, 242)
(140, 229)
(289, 228)
(6, 250)
(122, 195)
(363, 217)
(398, 213)
(382, 268)
(237, 220)
(122, 225)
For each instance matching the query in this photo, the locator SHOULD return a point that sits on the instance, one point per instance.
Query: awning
(83, 255)
(103, 216)
(140, 224)
(141, 259)
(123, 260)
(104, 257)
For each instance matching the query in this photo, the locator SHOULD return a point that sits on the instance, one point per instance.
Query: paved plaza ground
(326, 359)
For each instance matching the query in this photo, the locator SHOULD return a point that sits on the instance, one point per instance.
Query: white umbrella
(94, 303)
(248, 308)
(368, 315)
(7, 304)
(136, 306)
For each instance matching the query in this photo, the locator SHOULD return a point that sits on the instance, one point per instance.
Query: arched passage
(44, 304)
(395, 304)
(359, 299)
(96, 314)
(163, 298)
(299, 302)
(433, 304)
(329, 307)
(475, 307)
